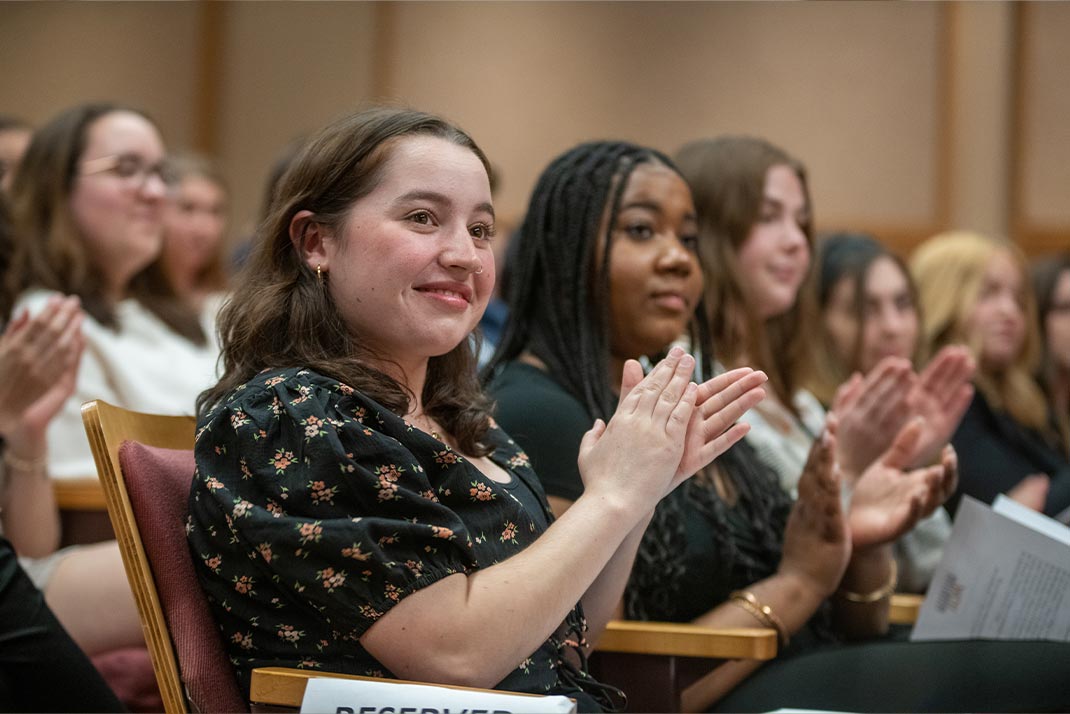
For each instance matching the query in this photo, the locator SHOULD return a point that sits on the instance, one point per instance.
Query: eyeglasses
(131, 168)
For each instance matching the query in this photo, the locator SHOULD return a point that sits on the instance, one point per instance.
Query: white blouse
(143, 366)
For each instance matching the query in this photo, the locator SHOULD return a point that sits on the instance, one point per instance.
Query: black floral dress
(315, 510)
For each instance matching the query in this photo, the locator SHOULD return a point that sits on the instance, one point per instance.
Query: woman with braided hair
(606, 271)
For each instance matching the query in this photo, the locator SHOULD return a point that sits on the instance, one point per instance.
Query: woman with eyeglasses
(87, 204)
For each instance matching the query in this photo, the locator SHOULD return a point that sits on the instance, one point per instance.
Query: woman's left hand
(888, 499)
(941, 396)
(870, 409)
(713, 429)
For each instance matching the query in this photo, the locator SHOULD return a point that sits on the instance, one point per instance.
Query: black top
(315, 510)
(547, 422)
(995, 453)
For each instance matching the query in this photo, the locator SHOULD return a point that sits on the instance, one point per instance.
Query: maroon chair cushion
(128, 672)
(158, 482)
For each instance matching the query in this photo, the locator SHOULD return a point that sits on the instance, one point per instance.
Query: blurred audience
(186, 285)
(14, 138)
(87, 204)
(974, 291)
(755, 246)
(1051, 285)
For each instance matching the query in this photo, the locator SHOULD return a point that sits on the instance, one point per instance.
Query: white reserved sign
(325, 695)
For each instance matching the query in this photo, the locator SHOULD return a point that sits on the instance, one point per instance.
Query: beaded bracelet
(763, 613)
(25, 465)
(875, 595)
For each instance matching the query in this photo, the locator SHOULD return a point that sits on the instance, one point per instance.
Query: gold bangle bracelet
(763, 613)
(877, 595)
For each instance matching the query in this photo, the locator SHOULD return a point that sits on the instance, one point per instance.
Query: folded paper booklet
(1005, 575)
(351, 696)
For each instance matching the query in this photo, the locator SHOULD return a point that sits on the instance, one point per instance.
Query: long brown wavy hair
(727, 179)
(280, 315)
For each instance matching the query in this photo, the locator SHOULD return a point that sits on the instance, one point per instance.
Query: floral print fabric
(315, 510)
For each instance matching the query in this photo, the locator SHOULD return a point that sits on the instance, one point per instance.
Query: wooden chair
(135, 453)
(148, 511)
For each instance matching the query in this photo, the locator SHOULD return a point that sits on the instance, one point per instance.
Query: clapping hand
(816, 543)
(941, 396)
(633, 459)
(720, 403)
(888, 499)
(870, 410)
(39, 359)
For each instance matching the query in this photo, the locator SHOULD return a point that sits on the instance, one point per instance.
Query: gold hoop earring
(319, 273)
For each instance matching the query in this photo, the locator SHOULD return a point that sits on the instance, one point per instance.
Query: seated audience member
(606, 271)
(755, 244)
(868, 312)
(85, 586)
(974, 291)
(15, 135)
(1051, 285)
(356, 508)
(189, 279)
(87, 205)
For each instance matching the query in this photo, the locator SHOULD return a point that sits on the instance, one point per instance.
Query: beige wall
(907, 114)
(54, 55)
(1045, 128)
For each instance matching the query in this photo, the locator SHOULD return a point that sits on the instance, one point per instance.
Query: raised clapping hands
(816, 543)
(39, 358)
(870, 410)
(940, 396)
(888, 499)
(874, 408)
(665, 428)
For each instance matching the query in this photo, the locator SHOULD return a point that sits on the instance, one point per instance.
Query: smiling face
(411, 269)
(889, 324)
(775, 255)
(119, 217)
(654, 277)
(997, 322)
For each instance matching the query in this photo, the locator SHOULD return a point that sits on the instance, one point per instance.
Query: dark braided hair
(558, 298)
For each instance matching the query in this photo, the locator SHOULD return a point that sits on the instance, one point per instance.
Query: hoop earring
(319, 274)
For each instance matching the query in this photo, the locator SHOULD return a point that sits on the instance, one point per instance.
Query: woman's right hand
(632, 460)
(817, 546)
(39, 358)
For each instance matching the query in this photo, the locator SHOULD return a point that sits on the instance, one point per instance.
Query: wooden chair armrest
(79, 494)
(285, 687)
(904, 609)
(685, 640)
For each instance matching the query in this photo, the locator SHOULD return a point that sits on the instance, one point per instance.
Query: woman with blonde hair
(974, 291)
